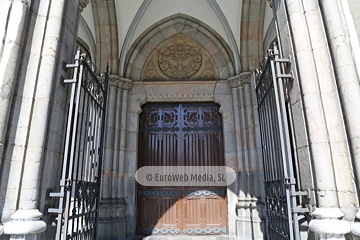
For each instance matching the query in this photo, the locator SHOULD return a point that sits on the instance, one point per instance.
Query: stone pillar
(13, 20)
(315, 66)
(112, 220)
(33, 133)
(234, 83)
(249, 224)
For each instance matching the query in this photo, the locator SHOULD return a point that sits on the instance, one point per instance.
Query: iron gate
(280, 193)
(81, 171)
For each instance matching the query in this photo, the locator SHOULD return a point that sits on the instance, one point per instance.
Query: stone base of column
(25, 225)
(249, 224)
(326, 224)
(355, 227)
(112, 220)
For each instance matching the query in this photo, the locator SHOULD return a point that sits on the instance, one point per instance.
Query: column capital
(119, 82)
(83, 4)
(239, 80)
(126, 84)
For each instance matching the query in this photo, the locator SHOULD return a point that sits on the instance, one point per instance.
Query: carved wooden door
(187, 134)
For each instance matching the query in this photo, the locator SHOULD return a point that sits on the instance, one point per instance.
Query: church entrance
(181, 134)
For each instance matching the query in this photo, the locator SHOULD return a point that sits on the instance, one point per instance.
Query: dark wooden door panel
(188, 134)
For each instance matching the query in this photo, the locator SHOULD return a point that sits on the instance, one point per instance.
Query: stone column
(13, 20)
(327, 139)
(112, 220)
(249, 224)
(234, 83)
(347, 75)
(35, 98)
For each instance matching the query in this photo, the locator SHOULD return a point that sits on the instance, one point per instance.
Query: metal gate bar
(81, 171)
(280, 193)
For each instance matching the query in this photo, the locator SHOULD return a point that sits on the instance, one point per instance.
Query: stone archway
(106, 35)
(192, 29)
(252, 27)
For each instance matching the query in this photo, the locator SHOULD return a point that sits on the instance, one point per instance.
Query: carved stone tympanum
(180, 58)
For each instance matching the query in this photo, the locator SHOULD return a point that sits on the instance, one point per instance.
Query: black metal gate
(81, 171)
(280, 193)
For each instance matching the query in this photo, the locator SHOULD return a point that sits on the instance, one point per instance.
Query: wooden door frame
(184, 126)
(195, 91)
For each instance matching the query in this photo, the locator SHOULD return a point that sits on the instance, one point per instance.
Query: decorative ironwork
(169, 117)
(148, 231)
(205, 192)
(152, 118)
(210, 117)
(189, 231)
(155, 193)
(192, 117)
(160, 129)
(82, 161)
(203, 128)
(280, 191)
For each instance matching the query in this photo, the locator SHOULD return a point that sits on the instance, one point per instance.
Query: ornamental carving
(169, 117)
(179, 58)
(239, 80)
(119, 82)
(210, 117)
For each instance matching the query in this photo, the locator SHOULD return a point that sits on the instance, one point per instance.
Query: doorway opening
(181, 134)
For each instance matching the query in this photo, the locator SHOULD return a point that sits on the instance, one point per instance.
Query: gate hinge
(301, 193)
(307, 209)
(55, 210)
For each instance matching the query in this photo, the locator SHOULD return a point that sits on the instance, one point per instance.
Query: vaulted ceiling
(111, 28)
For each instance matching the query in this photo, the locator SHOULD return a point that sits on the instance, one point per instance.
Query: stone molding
(239, 80)
(175, 96)
(25, 222)
(83, 4)
(119, 82)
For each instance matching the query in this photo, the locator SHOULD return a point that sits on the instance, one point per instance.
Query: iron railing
(280, 192)
(80, 180)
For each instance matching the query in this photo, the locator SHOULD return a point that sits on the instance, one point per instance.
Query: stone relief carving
(239, 80)
(180, 58)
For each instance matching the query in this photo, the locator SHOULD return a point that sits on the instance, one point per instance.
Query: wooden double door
(186, 134)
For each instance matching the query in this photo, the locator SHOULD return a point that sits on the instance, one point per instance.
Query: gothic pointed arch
(179, 47)
(106, 35)
(251, 36)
